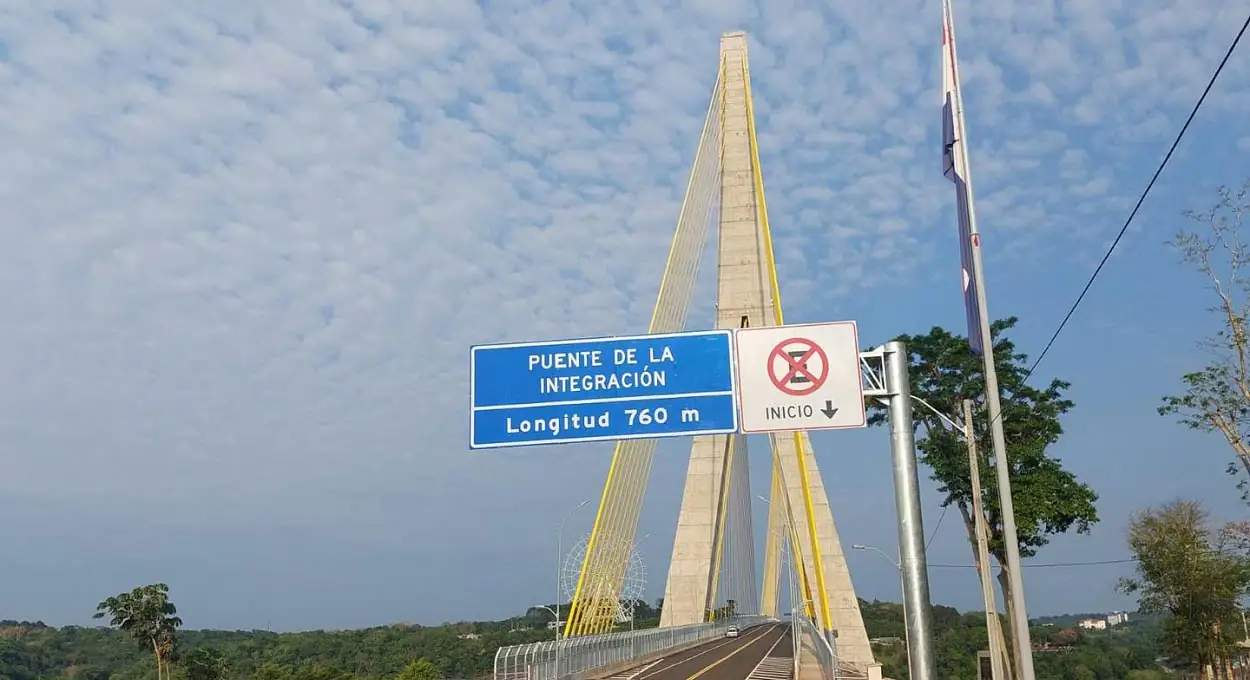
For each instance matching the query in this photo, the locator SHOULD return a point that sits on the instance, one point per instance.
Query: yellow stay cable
(800, 454)
(722, 520)
(792, 535)
(576, 623)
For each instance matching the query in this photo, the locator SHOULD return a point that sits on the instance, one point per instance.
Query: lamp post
(559, 569)
(788, 540)
(899, 566)
(633, 602)
(557, 642)
(880, 552)
(787, 561)
(944, 418)
(798, 603)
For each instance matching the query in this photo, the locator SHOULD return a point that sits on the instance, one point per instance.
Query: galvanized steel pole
(917, 608)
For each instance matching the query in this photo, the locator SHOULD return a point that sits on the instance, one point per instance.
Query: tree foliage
(149, 616)
(419, 669)
(467, 650)
(1192, 573)
(206, 663)
(1048, 499)
(1217, 397)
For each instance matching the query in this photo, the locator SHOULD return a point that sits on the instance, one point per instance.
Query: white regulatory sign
(804, 377)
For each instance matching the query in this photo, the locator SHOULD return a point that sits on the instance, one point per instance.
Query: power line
(1142, 199)
(1093, 563)
(939, 526)
(1098, 270)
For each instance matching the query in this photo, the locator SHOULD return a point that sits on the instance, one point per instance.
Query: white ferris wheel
(633, 585)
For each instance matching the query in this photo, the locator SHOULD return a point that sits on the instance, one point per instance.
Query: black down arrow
(829, 410)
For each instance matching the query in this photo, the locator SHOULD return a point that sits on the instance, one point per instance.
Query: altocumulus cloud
(246, 245)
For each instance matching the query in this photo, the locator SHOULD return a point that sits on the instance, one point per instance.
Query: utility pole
(962, 174)
(997, 662)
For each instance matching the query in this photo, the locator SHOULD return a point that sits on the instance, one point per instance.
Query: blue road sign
(597, 389)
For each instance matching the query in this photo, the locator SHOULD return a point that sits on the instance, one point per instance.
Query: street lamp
(557, 642)
(790, 543)
(880, 552)
(944, 418)
(899, 566)
(559, 570)
(788, 562)
(783, 535)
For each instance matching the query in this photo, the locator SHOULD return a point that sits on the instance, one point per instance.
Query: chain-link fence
(575, 658)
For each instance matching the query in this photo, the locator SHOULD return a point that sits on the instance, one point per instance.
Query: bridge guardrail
(812, 645)
(574, 658)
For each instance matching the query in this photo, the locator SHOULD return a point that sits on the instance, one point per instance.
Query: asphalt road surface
(760, 653)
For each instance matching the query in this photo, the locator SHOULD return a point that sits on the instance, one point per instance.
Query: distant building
(1093, 624)
(1117, 618)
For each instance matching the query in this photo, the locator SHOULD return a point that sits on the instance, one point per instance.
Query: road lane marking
(735, 652)
(730, 641)
(772, 667)
(633, 673)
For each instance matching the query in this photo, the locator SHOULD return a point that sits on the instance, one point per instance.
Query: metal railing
(811, 645)
(575, 658)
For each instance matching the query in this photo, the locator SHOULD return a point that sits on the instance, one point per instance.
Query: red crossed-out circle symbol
(793, 374)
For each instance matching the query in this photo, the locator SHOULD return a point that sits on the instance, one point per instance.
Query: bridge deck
(761, 653)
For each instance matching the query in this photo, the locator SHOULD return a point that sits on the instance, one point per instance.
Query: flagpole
(1011, 543)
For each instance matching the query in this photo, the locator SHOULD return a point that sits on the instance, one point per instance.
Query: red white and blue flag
(955, 167)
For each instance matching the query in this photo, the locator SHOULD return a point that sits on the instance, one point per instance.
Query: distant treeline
(34, 651)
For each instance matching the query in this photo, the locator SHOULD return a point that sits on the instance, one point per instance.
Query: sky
(246, 246)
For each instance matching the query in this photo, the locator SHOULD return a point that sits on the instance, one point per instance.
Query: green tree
(205, 663)
(1193, 574)
(272, 671)
(419, 669)
(149, 616)
(1217, 397)
(1048, 499)
(1146, 674)
(37, 652)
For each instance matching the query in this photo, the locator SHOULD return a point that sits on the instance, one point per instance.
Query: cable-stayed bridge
(815, 374)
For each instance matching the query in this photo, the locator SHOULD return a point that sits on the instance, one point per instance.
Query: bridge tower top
(733, 40)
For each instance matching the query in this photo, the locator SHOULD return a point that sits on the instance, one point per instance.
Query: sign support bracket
(885, 378)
